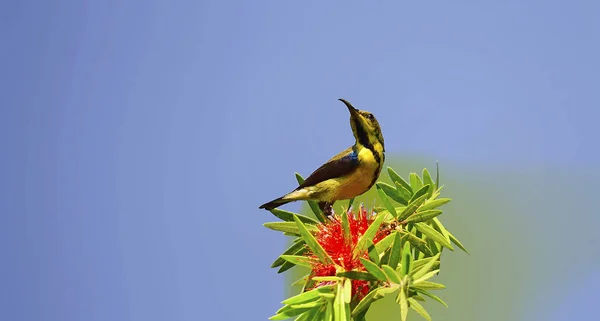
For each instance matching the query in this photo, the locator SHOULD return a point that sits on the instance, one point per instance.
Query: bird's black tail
(274, 203)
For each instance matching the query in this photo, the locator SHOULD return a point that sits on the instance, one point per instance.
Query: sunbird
(348, 174)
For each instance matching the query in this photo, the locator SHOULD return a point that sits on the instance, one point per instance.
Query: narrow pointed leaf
(350, 203)
(312, 243)
(434, 235)
(301, 281)
(432, 204)
(396, 178)
(382, 245)
(369, 234)
(386, 201)
(423, 216)
(406, 259)
(391, 274)
(347, 290)
(433, 296)
(428, 266)
(393, 193)
(412, 207)
(285, 266)
(418, 264)
(299, 260)
(292, 250)
(395, 251)
(308, 296)
(327, 278)
(438, 226)
(415, 182)
(402, 300)
(288, 227)
(426, 277)
(289, 216)
(373, 254)
(426, 285)
(364, 304)
(437, 175)
(420, 192)
(419, 308)
(292, 312)
(329, 312)
(374, 270)
(403, 192)
(314, 206)
(417, 242)
(457, 242)
(346, 227)
(428, 181)
(357, 275)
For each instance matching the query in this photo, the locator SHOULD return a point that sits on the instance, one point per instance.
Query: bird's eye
(370, 116)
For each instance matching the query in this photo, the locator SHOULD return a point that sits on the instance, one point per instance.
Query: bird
(350, 173)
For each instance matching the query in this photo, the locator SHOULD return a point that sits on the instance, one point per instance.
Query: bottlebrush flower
(340, 247)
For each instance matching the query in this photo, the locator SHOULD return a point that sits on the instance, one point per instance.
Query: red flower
(340, 248)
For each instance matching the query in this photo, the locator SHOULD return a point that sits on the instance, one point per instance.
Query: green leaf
(419, 308)
(426, 285)
(301, 281)
(369, 234)
(412, 207)
(457, 242)
(374, 269)
(329, 311)
(299, 260)
(420, 192)
(314, 206)
(290, 312)
(339, 309)
(402, 300)
(426, 277)
(289, 216)
(294, 249)
(429, 264)
(312, 243)
(433, 296)
(396, 178)
(438, 226)
(285, 266)
(403, 192)
(373, 254)
(308, 296)
(423, 216)
(288, 227)
(350, 203)
(357, 275)
(428, 181)
(415, 182)
(417, 242)
(393, 193)
(437, 175)
(434, 235)
(386, 201)
(382, 245)
(431, 204)
(391, 274)
(346, 227)
(406, 259)
(417, 264)
(395, 251)
(364, 304)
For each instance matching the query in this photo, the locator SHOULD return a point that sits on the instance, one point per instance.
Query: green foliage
(399, 253)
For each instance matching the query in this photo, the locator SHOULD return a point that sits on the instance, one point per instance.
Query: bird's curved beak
(353, 111)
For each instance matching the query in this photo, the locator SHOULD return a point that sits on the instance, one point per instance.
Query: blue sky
(139, 137)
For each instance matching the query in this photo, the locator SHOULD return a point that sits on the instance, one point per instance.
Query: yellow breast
(355, 183)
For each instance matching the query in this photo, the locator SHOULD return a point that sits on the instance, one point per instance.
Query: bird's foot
(327, 209)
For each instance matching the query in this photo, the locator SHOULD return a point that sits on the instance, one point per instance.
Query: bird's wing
(340, 165)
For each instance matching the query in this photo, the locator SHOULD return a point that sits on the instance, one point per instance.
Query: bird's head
(364, 126)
